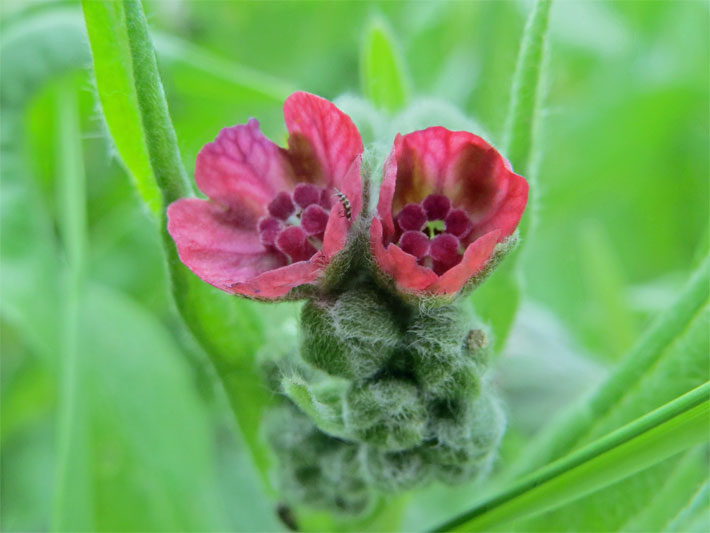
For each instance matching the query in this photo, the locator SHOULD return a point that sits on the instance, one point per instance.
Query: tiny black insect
(346, 203)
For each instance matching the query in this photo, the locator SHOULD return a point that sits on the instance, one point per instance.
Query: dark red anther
(458, 223)
(269, 228)
(306, 194)
(436, 206)
(414, 243)
(293, 242)
(411, 217)
(314, 219)
(445, 249)
(282, 206)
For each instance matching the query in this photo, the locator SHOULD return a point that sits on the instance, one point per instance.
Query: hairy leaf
(227, 328)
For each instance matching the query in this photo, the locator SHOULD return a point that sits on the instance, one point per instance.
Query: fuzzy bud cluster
(382, 396)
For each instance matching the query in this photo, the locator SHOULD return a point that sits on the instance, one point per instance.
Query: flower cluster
(276, 218)
(386, 388)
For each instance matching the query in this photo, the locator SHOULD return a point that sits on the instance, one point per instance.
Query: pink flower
(274, 219)
(447, 199)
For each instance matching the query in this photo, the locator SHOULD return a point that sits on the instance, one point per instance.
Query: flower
(275, 217)
(447, 199)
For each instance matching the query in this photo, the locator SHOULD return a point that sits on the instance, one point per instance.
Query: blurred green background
(623, 211)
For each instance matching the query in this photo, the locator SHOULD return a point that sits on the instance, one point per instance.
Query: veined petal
(215, 245)
(278, 282)
(317, 129)
(508, 212)
(243, 169)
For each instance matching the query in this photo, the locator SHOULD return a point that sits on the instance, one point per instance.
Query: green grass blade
(675, 427)
(72, 505)
(384, 77)
(687, 478)
(226, 327)
(497, 300)
(645, 357)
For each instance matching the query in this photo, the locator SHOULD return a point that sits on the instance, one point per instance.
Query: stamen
(269, 228)
(436, 206)
(414, 243)
(314, 219)
(445, 249)
(282, 206)
(458, 223)
(411, 217)
(293, 242)
(306, 194)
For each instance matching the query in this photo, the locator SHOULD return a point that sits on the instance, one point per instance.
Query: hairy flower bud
(352, 337)
(394, 471)
(443, 357)
(386, 413)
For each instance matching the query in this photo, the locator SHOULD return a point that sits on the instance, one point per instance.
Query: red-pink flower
(447, 199)
(274, 219)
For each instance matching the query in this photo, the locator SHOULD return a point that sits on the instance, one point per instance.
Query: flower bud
(315, 469)
(352, 337)
(386, 413)
(443, 354)
(395, 471)
(465, 437)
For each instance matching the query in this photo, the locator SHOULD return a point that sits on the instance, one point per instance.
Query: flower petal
(242, 169)
(213, 242)
(336, 231)
(277, 283)
(329, 133)
(389, 182)
(474, 259)
(509, 209)
(401, 266)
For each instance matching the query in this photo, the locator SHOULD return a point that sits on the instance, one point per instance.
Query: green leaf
(143, 400)
(675, 427)
(525, 93)
(687, 478)
(668, 361)
(32, 52)
(613, 322)
(695, 516)
(383, 71)
(116, 88)
(646, 377)
(497, 300)
(72, 506)
(226, 327)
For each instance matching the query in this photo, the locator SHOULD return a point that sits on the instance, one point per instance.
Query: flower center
(432, 231)
(296, 222)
